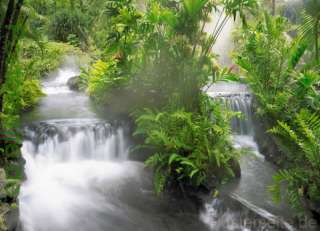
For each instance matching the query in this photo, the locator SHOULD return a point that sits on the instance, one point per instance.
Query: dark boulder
(12, 220)
(74, 83)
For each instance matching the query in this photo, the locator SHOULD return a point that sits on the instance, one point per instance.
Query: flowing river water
(79, 175)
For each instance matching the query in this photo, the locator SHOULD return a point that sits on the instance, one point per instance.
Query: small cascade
(75, 140)
(237, 98)
(251, 190)
(242, 124)
(56, 82)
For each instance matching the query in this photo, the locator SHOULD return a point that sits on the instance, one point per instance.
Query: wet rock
(235, 166)
(12, 220)
(314, 207)
(74, 83)
(268, 144)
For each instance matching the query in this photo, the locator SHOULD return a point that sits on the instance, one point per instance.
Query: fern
(159, 181)
(303, 173)
(191, 145)
(297, 50)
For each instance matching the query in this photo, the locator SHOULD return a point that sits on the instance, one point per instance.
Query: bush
(287, 94)
(190, 149)
(300, 138)
(103, 78)
(264, 54)
(31, 93)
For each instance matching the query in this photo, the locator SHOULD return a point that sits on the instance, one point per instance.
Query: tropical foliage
(284, 77)
(310, 28)
(190, 150)
(301, 139)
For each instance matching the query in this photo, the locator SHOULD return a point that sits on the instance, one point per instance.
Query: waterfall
(241, 124)
(256, 173)
(75, 140)
(236, 97)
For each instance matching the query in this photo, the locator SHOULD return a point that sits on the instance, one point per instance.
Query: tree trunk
(4, 35)
(8, 40)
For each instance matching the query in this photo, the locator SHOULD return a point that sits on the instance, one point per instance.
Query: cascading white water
(78, 173)
(69, 161)
(256, 174)
(75, 140)
(242, 124)
(237, 98)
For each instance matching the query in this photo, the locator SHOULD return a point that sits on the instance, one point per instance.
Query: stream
(79, 175)
(251, 190)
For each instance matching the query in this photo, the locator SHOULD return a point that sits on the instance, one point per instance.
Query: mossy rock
(74, 83)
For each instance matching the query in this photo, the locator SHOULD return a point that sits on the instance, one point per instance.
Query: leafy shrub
(301, 140)
(156, 63)
(270, 61)
(31, 93)
(113, 70)
(287, 91)
(9, 187)
(104, 77)
(189, 149)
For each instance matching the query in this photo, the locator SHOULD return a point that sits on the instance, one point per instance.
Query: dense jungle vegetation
(150, 61)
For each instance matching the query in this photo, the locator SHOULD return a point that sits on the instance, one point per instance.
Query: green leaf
(173, 158)
(193, 172)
